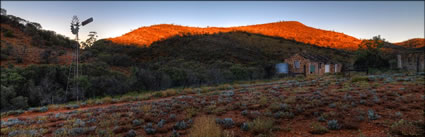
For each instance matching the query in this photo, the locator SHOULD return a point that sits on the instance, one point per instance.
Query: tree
(90, 41)
(369, 54)
(3, 12)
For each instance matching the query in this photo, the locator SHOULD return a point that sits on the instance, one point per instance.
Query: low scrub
(407, 128)
(316, 128)
(261, 125)
(205, 126)
(359, 78)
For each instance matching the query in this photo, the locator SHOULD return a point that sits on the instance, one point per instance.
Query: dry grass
(205, 126)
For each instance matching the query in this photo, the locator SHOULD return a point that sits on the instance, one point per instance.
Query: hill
(412, 43)
(294, 30)
(24, 43)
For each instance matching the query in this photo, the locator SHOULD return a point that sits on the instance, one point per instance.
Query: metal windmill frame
(75, 27)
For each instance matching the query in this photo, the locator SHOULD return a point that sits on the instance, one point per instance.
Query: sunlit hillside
(412, 43)
(145, 36)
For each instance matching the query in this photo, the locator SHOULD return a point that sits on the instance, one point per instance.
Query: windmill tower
(74, 69)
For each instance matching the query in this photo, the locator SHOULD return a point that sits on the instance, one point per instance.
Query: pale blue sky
(394, 21)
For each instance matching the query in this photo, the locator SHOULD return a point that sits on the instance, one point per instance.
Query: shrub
(333, 125)
(9, 33)
(263, 101)
(290, 100)
(136, 122)
(107, 100)
(406, 128)
(244, 113)
(146, 108)
(171, 92)
(219, 110)
(149, 129)
(359, 78)
(372, 115)
(316, 128)
(281, 114)
(398, 114)
(321, 119)
(274, 107)
(190, 112)
(261, 125)
(19, 102)
(245, 126)
(205, 126)
(226, 122)
(161, 123)
(181, 125)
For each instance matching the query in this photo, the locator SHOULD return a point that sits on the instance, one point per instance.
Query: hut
(412, 60)
(310, 64)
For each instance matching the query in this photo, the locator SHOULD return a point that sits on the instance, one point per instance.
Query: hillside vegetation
(293, 30)
(24, 43)
(180, 61)
(412, 43)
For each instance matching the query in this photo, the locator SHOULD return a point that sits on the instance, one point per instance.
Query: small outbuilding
(309, 64)
(413, 60)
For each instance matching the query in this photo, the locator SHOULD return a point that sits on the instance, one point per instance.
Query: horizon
(394, 21)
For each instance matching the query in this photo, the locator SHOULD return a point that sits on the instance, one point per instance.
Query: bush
(372, 115)
(406, 128)
(226, 122)
(359, 78)
(181, 125)
(9, 33)
(245, 126)
(316, 128)
(334, 125)
(205, 126)
(261, 125)
(19, 102)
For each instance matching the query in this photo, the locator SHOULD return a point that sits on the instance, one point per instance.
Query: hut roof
(316, 58)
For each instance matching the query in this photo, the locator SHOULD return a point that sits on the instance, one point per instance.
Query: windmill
(75, 27)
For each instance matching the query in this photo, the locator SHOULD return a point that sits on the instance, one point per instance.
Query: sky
(394, 20)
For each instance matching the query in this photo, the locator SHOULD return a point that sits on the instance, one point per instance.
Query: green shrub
(261, 125)
(9, 34)
(406, 128)
(316, 128)
(359, 78)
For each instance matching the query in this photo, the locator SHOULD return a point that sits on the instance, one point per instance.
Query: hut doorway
(327, 68)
